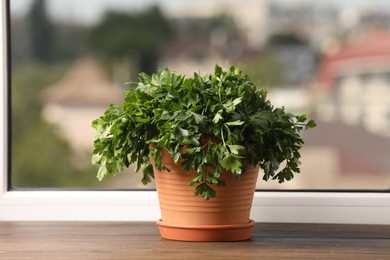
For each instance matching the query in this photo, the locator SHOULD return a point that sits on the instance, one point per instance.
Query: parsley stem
(223, 138)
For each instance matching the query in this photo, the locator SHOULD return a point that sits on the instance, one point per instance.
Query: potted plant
(203, 139)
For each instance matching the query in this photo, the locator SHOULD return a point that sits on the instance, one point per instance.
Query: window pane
(71, 59)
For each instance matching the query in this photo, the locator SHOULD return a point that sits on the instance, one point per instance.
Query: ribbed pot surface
(179, 206)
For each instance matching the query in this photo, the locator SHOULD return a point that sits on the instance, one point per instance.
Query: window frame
(268, 206)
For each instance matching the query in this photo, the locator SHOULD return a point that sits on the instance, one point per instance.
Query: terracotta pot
(192, 218)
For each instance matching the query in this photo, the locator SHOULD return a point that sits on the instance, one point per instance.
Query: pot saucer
(236, 232)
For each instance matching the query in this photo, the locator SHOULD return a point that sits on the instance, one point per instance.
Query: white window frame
(303, 207)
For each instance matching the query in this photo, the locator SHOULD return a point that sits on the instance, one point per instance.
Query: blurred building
(72, 103)
(356, 84)
(81, 96)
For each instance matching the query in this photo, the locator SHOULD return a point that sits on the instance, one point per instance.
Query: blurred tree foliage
(37, 38)
(280, 39)
(42, 32)
(264, 70)
(136, 36)
(40, 158)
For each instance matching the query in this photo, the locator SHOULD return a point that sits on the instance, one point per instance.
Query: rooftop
(86, 83)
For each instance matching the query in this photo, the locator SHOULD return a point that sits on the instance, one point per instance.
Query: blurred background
(71, 59)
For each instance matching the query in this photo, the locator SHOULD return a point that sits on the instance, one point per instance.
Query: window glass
(71, 59)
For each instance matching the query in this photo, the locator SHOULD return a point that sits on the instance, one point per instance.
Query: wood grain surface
(141, 240)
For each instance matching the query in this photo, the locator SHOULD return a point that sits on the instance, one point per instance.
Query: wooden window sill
(141, 240)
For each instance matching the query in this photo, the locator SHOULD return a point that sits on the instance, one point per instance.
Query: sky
(89, 11)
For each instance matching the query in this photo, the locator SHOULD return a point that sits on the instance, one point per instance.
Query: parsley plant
(222, 119)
